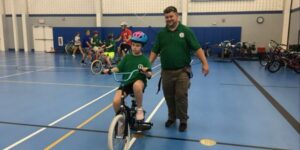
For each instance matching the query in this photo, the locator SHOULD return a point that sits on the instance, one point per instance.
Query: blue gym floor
(44, 96)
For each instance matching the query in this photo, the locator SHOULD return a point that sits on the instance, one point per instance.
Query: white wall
(296, 4)
(234, 5)
(140, 6)
(19, 6)
(52, 6)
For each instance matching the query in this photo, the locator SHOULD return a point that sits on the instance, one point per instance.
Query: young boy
(97, 44)
(110, 46)
(138, 81)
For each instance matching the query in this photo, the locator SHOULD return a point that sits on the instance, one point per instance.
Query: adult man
(126, 43)
(174, 44)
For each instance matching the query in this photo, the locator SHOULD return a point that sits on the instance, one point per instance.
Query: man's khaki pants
(175, 85)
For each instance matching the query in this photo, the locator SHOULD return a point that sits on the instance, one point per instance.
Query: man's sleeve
(156, 47)
(148, 64)
(192, 41)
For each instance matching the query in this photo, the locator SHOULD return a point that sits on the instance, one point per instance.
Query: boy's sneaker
(82, 62)
(139, 116)
(73, 55)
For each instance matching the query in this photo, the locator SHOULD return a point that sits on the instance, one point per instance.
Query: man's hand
(205, 69)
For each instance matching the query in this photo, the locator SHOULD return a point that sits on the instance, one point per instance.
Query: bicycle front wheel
(297, 65)
(118, 136)
(96, 67)
(274, 66)
(264, 59)
(69, 48)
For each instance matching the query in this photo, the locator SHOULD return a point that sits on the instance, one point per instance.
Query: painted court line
(63, 84)
(27, 72)
(52, 145)
(57, 121)
(62, 138)
(60, 119)
(28, 66)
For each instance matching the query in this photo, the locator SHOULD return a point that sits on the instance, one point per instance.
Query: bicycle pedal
(143, 126)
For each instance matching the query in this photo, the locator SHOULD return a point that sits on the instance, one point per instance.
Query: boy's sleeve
(121, 65)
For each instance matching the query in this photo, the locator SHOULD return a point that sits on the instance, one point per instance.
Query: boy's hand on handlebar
(146, 71)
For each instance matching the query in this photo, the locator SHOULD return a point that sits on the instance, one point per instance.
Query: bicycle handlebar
(126, 73)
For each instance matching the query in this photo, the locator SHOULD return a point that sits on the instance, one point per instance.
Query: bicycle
(244, 50)
(274, 51)
(101, 63)
(97, 65)
(207, 49)
(287, 59)
(69, 47)
(119, 130)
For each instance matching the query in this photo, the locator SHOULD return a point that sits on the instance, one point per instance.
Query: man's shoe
(169, 123)
(182, 127)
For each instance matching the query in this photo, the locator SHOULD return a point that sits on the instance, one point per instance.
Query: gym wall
(144, 13)
(295, 23)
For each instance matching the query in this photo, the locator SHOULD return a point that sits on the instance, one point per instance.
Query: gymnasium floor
(45, 96)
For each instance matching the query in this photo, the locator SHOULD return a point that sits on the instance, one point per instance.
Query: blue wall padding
(214, 35)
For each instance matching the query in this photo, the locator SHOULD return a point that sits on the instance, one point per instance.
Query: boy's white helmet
(95, 48)
(123, 23)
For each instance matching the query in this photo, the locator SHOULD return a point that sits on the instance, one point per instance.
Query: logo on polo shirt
(140, 66)
(181, 35)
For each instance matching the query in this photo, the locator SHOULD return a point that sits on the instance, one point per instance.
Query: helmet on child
(139, 37)
(95, 48)
(96, 32)
(123, 23)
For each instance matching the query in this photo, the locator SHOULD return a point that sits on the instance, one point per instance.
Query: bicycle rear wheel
(96, 67)
(118, 139)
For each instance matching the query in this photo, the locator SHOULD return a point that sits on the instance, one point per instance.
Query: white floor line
(28, 66)
(17, 74)
(66, 116)
(63, 84)
(148, 119)
(57, 121)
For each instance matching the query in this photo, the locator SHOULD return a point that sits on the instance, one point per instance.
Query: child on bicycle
(97, 44)
(110, 46)
(138, 82)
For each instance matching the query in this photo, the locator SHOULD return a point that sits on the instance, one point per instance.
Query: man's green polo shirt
(175, 47)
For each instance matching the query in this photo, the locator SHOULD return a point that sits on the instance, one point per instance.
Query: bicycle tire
(96, 67)
(274, 66)
(68, 48)
(297, 65)
(113, 139)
